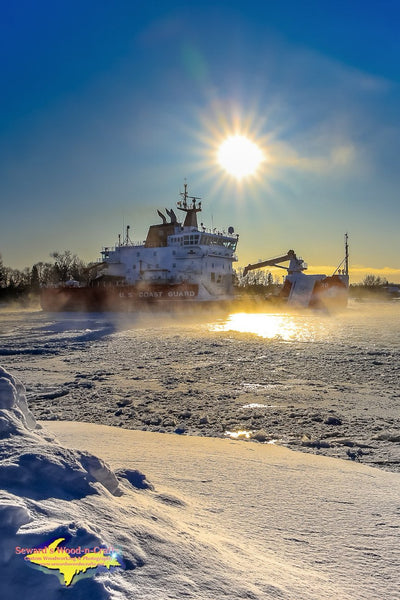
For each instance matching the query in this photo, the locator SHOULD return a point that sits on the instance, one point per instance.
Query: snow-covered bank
(288, 524)
(218, 518)
(47, 492)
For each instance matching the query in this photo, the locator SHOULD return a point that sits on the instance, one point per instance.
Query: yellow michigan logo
(54, 558)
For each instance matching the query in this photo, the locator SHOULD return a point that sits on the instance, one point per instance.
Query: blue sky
(107, 106)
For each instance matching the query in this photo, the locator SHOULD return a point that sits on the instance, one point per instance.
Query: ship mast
(345, 261)
(346, 254)
(191, 216)
(127, 240)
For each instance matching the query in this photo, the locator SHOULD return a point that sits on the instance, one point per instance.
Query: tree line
(16, 284)
(20, 284)
(256, 283)
(375, 286)
(261, 283)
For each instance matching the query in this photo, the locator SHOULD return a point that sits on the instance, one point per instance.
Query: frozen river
(322, 384)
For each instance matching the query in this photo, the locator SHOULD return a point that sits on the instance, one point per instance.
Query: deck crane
(314, 291)
(296, 265)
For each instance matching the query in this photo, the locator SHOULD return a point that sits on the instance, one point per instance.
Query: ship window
(173, 252)
(212, 265)
(174, 265)
(190, 240)
(218, 241)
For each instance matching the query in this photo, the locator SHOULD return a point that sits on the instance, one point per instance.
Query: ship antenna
(184, 194)
(127, 238)
(346, 254)
(190, 210)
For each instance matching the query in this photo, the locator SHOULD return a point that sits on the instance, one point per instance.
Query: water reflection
(244, 434)
(283, 326)
(239, 435)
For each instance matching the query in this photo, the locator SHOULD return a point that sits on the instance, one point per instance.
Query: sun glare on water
(283, 327)
(239, 156)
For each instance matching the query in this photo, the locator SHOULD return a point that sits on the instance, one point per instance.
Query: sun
(239, 156)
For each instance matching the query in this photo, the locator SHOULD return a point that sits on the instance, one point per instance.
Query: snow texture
(221, 519)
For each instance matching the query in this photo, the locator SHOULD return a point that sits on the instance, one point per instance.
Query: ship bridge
(203, 239)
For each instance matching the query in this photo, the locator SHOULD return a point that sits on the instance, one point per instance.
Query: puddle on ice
(244, 434)
(239, 435)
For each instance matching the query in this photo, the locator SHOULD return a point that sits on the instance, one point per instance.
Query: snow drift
(35, 468)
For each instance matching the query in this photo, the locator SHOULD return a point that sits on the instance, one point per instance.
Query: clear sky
(107, 106)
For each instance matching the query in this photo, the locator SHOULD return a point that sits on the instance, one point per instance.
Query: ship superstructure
(174, 253)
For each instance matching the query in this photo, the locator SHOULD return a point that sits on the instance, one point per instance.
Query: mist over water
(315, 382)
